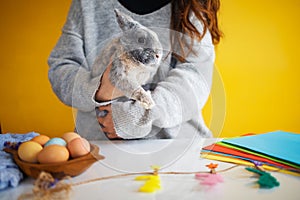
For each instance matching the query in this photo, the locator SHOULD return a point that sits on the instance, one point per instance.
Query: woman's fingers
(101, 113)
(104, 116)
(112, 135)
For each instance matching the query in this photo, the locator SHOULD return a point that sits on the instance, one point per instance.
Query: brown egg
(78, 147)
(53, 154)
(28, 151)
(41, 139)
(70, 136)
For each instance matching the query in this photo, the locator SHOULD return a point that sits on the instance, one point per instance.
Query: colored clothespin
(152, 182)
(266, 180)
(211, 178)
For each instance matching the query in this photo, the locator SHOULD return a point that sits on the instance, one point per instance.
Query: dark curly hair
(205, 10)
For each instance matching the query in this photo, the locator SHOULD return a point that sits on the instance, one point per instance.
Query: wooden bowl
(72, 167)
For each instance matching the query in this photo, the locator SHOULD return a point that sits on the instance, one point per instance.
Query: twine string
(48, 188)
(148, 173)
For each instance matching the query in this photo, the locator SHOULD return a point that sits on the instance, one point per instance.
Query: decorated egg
(28, 151)
(41, 139)
(57, 141)
(78, 147)
(70, 136)
(53, 154)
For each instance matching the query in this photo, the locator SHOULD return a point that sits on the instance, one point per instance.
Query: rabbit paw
(144, 98)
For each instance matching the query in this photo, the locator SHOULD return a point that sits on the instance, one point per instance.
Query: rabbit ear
(125, 22)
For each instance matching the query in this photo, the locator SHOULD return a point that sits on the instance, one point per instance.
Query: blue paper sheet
(278, 144)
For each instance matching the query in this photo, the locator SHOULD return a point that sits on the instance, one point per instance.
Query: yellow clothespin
(152, 182)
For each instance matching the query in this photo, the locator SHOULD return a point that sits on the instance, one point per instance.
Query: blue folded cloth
(10, 174)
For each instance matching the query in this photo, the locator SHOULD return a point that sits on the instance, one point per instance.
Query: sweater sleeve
(179, 98)
(68, 74)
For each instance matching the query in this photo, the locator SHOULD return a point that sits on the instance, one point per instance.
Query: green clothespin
(266, 180)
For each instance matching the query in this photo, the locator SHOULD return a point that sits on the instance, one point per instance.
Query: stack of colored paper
(279, 151)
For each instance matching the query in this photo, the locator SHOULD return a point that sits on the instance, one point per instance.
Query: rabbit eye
(141, 40)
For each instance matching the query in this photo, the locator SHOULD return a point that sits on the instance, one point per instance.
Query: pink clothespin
(211, 178)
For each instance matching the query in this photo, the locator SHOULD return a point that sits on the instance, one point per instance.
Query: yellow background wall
(29, 30)
(257, 64)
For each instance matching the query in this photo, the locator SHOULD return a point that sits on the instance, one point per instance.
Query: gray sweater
(180, 94)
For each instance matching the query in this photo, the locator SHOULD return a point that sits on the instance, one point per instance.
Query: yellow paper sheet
(211, 156)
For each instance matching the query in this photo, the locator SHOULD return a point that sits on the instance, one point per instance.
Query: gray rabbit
(135, 55)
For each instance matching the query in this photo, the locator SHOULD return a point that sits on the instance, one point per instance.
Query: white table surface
(172, 155)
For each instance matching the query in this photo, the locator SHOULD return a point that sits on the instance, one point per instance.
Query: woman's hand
(104, 117)
(106, 90)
